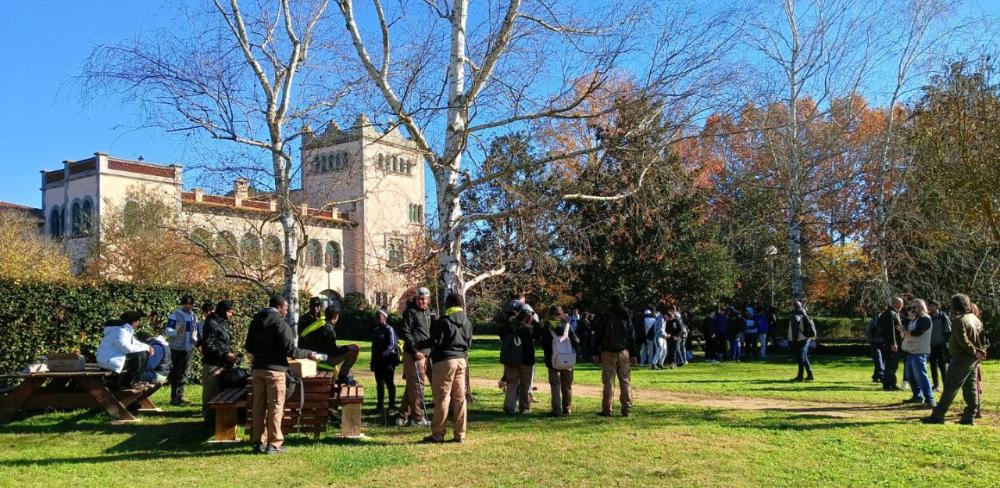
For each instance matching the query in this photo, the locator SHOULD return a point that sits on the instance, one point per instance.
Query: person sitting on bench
(321, 337)
(158, 363)
(121, 352)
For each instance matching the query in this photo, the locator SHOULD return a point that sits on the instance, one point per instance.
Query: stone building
(361, 194)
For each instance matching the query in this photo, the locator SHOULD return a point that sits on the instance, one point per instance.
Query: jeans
(763, 345)
(920, 383)
(661, 351)
(132, 371)
(735, 351)
(961, 375)
(648, 352)
(891, 365)
(939, 362)
(879, 372)
(802, 349)
(385, 379)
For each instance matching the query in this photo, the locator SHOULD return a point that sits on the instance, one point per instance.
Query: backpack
(871, 331)
(808, 327)
(617, 330)
(563, 355)
(510, 349)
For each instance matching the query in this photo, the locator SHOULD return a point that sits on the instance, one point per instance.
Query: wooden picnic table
(68, 390)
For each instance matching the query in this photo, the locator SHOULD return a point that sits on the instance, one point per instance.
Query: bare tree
(238, 75)
(453, 77)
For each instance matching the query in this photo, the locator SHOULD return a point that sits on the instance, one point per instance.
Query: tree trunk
(446, 173)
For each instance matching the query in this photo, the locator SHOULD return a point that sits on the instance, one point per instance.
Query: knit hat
(423, 292)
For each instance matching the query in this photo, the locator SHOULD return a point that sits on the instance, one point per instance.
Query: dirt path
(729, 402)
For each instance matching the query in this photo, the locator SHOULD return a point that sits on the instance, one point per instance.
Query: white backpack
(563, 355)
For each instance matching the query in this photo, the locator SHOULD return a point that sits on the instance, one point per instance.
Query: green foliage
(356, 301)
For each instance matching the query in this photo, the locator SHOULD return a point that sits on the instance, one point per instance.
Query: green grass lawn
(662, 443)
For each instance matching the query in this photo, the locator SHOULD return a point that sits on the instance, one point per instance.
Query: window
(272, 251)
(381, 299)
(395, 253)
(250, 249)
(331, 258)
(395, 164)
(56, 223)
(380, 161)
(76, 219)
(314, 254)
(87, 217)
(416, 215)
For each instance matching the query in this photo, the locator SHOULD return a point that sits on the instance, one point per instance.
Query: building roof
(192, 199)
(30, 212)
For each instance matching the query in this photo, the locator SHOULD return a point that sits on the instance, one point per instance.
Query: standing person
(648, 349)
(750, 333)
(967, 347)
(271, 341)
(939, 342)
(720, 329)
(557, 327)
(206, 309)
(121, 352)
(615, 341)
(682, 345)
(874, 340)
(451, 336)
(217, 354)
(801, 330)
(734, 330)
(660, 335)
(182, 334)
(762, 331)
(917, 344)
(574, 319)
(984, 341)
(518, 357)
(889, 324)
(385, 357)
(321, 336)
(674, 334)
(584, 331)
(415, 332)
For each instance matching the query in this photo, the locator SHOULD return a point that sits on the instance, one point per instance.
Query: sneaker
(810, 378)
(273, 449)
(257, 448)
(422, 423)
(604, 414)
(931, 420)
(797, 379)
(928, 405)
(967, 421)
(401, 422)
(431, 440)
(458, 440)
(913, 400)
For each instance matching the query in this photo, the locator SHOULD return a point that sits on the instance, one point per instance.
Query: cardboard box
(303, 368)
(66, 362)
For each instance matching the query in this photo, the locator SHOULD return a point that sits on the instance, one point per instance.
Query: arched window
(250, 249)
(331, 258)
(314, 254)
(409, 167)
(56, 223)
(395, 164)
(87, 219)
(272, 251)
(380, 161)
(225, 247)
(76, 219)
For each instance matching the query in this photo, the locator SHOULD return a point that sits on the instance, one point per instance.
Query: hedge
(30, 326)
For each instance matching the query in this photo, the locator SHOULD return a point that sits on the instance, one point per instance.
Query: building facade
(361, 203)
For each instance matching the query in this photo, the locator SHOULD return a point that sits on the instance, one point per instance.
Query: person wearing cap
(121, 352)
(615, 343)
(271, 341)
(450, 339)
(182, 334)
(314, 314)
(385, 357)
(415, 332)
(217, 354)
(321, 336)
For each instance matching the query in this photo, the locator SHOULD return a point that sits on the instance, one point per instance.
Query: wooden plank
(226, 425)
(97, 389)
(12, 402)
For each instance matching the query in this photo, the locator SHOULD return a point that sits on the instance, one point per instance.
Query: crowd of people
(433, 348)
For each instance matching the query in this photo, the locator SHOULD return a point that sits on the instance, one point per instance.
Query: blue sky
(44, 121)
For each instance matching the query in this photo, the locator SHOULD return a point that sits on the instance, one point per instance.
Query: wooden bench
(68, 390)
(308, 416)
(228, 405)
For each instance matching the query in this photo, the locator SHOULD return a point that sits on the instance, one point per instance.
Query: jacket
(720, 323)
(544, 335)
(917, 339)
(796, 324)
(888, 321)
(614, 333)
(183, 341)
(385, 348)
(216, 341)
(159, 364)
(660, 327)
(451, 336)
(272, 341)
(321, 336)
(966, 339)
(415, 331)
(941, 330)
(762, 324)
(674, 328)
(119, 340)
(525, 354)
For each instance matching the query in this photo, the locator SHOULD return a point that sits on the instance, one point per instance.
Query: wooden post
(351, 399)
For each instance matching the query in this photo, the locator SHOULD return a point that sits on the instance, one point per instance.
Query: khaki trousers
(518, 397)
(448, 385)
(413, 395)
(268, 407)
(561, 386)
(616, 364)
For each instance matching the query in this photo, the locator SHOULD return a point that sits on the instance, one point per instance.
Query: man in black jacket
(614, 339)
(415, 332)
(450, 338)
(322, 338)
(888, 330)
(271, 341)
(216, 354)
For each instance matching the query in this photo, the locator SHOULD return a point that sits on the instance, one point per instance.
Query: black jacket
(526, 334)
(385, 348)
(888, 322)
(415, 330)
(216, 341)
(545, 339)
(451, 337)
(272, 341)
(322, 340)
(614, 333)
(675, 328)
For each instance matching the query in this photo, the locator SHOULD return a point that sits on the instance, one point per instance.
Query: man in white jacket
(121, 352)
